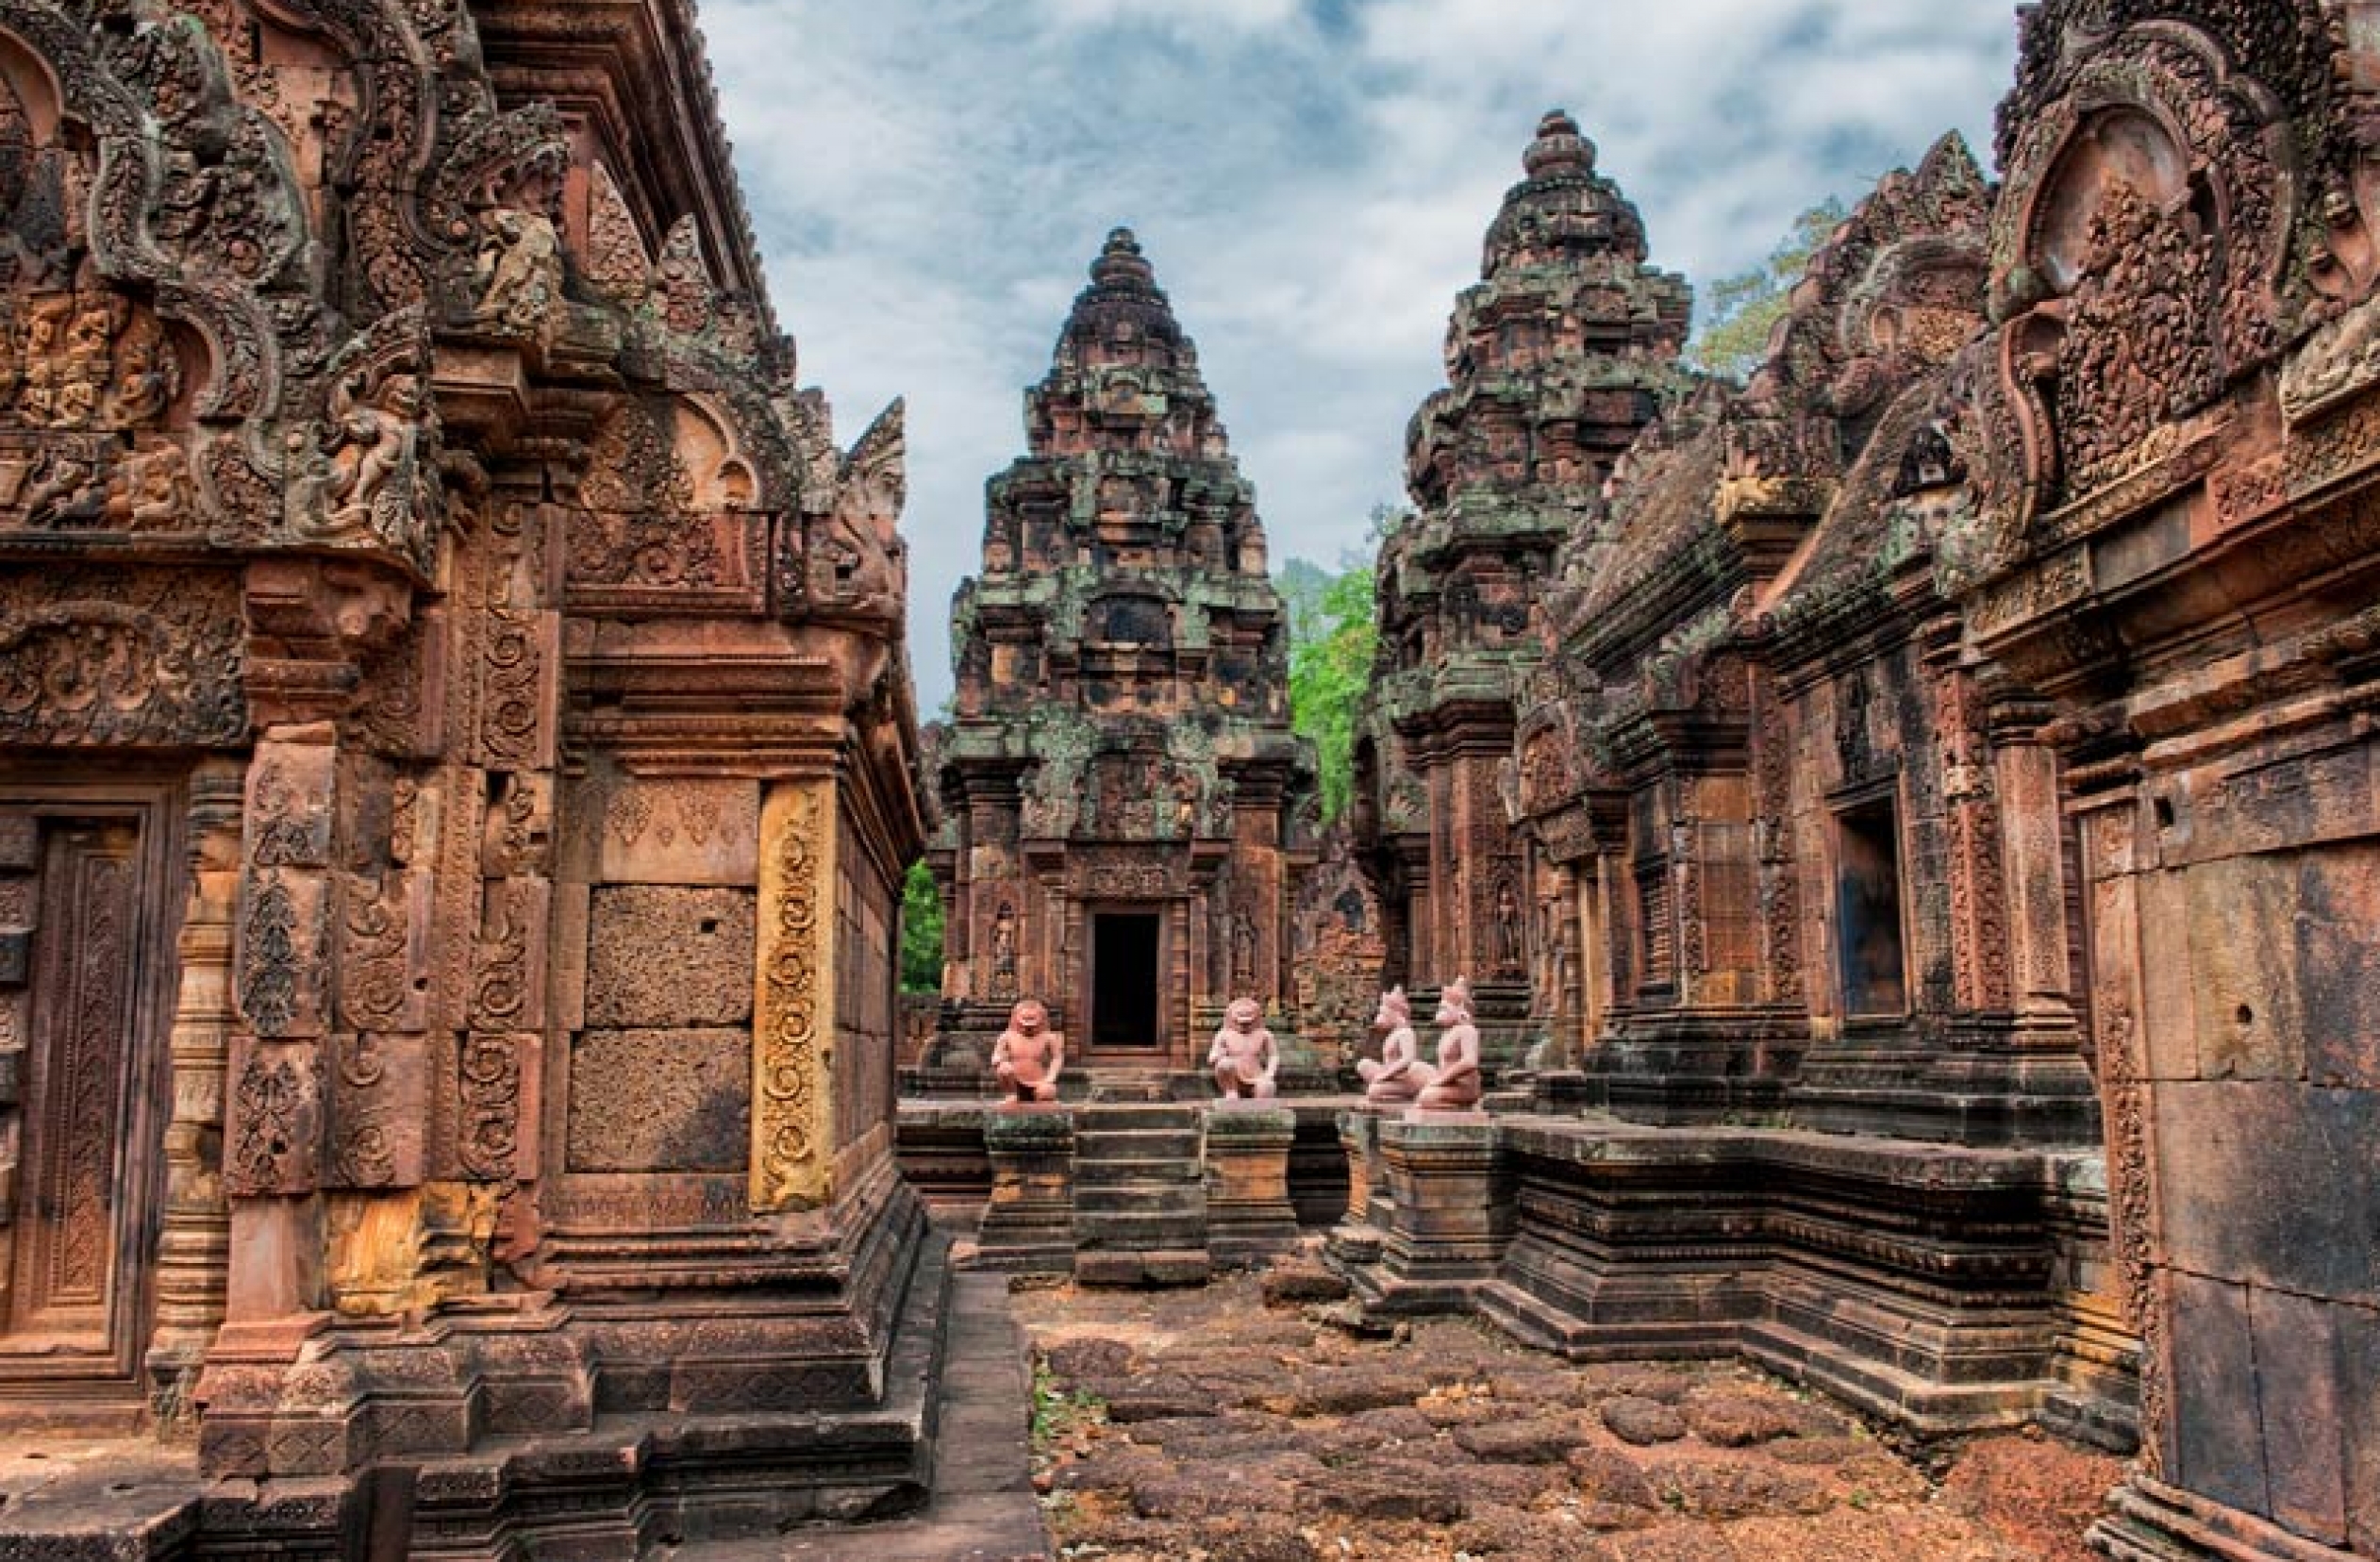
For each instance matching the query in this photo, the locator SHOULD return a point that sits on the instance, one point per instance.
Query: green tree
(1331, 638)
(1742, 310)
(920, 932)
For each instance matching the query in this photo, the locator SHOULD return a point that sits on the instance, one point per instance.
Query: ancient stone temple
(1127, 808)
(1806, 870)
(2160, 515)
(1953, 767)
(456, 763)
(1566, 347)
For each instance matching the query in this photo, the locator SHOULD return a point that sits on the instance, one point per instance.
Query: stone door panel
(82, 923)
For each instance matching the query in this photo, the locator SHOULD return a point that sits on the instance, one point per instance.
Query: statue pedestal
(1028, 1222)
(1249, 1215)
(1450, 1213)
(1356, 1241)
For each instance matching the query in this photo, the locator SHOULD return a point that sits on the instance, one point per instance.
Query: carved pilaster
(193, 1249)
(793, 1012)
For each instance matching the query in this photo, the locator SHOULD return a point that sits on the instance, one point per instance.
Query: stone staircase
(1140, 1190)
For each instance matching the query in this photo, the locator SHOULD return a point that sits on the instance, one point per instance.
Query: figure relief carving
(1245, 946)
(2138, 348)
(1004, 952)
(517, 273)
(103, 656)
(1507, 945)
(374, 478)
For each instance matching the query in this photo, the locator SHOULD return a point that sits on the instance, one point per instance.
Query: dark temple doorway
(1123, 981)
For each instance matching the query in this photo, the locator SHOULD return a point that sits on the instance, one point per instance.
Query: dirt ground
(1207, 1425)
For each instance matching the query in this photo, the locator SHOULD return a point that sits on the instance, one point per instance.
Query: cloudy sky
(1310, 177)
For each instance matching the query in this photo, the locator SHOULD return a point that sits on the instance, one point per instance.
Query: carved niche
(2138, 258)
(666, 524)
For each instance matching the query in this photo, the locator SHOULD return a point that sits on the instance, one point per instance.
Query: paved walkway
(983, 1508)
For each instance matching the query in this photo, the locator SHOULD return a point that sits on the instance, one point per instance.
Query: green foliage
(1331, 640)
(920, 932)
(1742, 310)
(1059, 1415)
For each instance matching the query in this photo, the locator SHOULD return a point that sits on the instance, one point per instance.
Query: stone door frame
(106, 1388)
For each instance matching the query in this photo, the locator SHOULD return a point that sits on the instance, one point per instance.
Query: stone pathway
(1208, 1426)
(983, 1507)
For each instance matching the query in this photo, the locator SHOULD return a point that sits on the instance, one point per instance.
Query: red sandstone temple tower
(1127, 808)
(1556, 358)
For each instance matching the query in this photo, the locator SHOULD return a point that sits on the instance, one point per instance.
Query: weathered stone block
(2297, 1396)
(2243, 969)
(669, 958)
(661, 1101)
(2271, 1183)
(2219, 1447)
(680, 831)
(2337, 922)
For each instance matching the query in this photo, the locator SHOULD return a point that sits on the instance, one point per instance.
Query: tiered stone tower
(1565, 349)
(1127, 806)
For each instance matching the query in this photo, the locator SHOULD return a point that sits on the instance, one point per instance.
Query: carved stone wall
(457, 740)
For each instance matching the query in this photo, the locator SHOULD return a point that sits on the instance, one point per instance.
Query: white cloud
(1242, 15)
(1311, 179)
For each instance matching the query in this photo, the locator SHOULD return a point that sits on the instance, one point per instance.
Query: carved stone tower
(1127, 806)
(1564, 349)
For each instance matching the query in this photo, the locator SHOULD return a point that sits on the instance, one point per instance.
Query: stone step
(1125, 1174)
(1164, 1199)
(1140, 1145)
(1101, 1117)
(1170, 1267)
(1139, 1232)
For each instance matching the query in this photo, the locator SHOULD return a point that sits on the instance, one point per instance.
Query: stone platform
(1927, 1284)
(633, 1485)
(943, 1151)
(1147, 1190)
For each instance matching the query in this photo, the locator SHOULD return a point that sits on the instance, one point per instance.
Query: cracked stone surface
(1258, 1434)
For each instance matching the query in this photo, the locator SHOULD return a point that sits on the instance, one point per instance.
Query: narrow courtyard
(1244, 1421)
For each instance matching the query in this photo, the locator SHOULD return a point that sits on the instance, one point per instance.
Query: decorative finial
(1559, 148)
(1121, 263)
